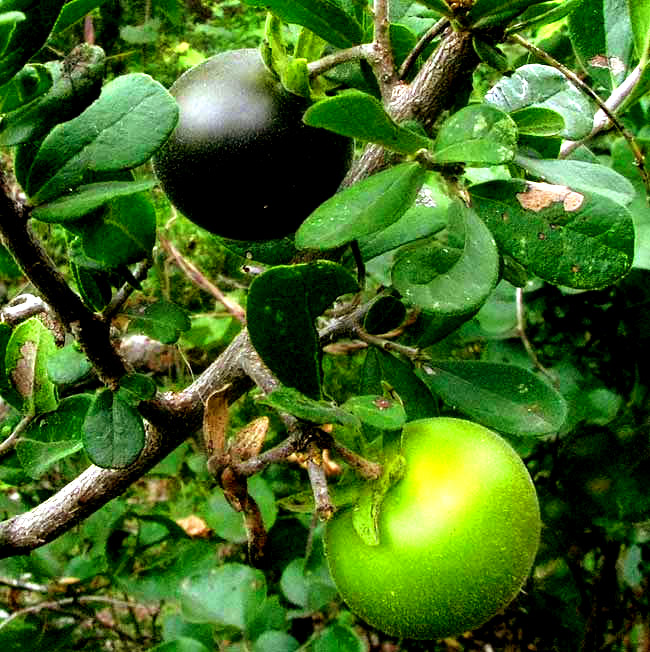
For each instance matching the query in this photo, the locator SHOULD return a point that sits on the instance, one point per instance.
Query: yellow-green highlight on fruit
(458, 535)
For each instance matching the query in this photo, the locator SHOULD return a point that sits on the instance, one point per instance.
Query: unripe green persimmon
(458, 535)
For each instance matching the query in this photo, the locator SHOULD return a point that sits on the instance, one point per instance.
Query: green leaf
(68, 365)
(181, 644)
(76, 82)
(145, 34)
(113, 432)
(439, 6)
(479, 135)
(602, 38)
(124, 232)
(581, 240)
(27, 85)
(231, 594)
(73, 11)
(308, 588)
(447, 281)
(53, 437)
(639, 11)
(358, 115)
(229, 524)
(380, 366)
(538, 121)
(544, 13)
(497, 13)
(536, 85)
(275, 641)
(139, 386)
(30, 346)
(36, 457)
(291, 401)
(377, 411)
(283, 304)
(362, 209)
(94, 288)
(339, 638)
(325, 18)
(581, 176)
(505, 397)
(425, 217)
(27, 36)
(490, 54)
(133, 116)
(88, 198)
(162, 321)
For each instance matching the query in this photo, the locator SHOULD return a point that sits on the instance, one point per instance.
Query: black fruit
(241, 163)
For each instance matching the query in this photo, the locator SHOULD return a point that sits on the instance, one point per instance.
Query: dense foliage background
(164, 565)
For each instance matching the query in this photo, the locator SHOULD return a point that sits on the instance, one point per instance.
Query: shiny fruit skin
(458, 535)
(241, 163)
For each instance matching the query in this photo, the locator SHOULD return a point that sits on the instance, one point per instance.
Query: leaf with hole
(583, 240)
(581, 176)
(28, 350)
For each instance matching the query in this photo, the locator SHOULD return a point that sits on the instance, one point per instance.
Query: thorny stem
(587, 90)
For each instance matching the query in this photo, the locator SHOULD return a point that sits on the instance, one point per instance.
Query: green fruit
(458, 535)
(241, 163)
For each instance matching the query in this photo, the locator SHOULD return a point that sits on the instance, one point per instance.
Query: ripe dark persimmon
(240, 162)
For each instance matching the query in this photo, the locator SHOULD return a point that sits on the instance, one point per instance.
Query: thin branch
(587, 90)
(355, 53)
(521, 332)
(123, 294)
(197, 277)
(601, 121)
(8, 444)
(433, 32)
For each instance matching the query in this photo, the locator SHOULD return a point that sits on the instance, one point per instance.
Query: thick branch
(434, 89)
(178, 415)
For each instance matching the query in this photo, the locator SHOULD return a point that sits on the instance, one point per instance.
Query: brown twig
(198, 278)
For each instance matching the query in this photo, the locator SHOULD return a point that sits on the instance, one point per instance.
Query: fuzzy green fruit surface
(241, 163)
(458, 535)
